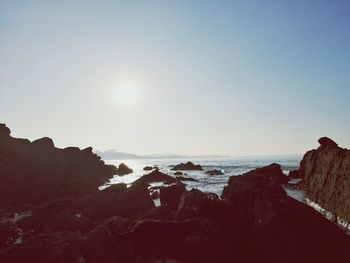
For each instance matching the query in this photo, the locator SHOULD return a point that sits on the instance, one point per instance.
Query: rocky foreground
(326, 178)
(70, 220)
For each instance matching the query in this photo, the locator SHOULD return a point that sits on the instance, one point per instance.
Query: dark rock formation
(123, 169)
(170, 195)
(272, 219)
(294, 174)
(326, 172)
(325, 141)
(187, 166)
(72, 221)
(183, 179)
(215, 172)
(148, 168)
(155, 176)
(34, 173)
(178, 173)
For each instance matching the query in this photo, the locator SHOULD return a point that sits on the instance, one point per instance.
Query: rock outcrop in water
(215, 172)
(123, 169)
(189, 166)
(73, 222)
(326, 173)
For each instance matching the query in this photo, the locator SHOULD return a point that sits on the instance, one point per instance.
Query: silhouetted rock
(183, 179)
(215, 172)
(294, 174)
(155, 176)
(123, 169)
(171, 195)
(187, 166)
(271, 218)
(326, 173)
(148, 168)
(325, 141)
(4, 131)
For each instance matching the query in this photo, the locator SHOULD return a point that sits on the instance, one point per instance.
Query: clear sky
(193, 77)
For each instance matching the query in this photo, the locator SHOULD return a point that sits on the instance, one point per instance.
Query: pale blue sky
(213, 77)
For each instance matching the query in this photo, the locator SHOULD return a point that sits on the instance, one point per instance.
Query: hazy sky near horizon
(206, 77)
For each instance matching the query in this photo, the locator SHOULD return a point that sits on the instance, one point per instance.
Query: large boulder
(187, 166)
(271, 219)
(326, 173)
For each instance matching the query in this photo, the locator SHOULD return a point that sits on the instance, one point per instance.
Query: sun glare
(127, 94)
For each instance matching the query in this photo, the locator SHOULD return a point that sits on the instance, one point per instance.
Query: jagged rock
(215, 172)
(187, 166)
(171, 195)
(155, 176)
(270, 178)
(326, 173)
(123, 169)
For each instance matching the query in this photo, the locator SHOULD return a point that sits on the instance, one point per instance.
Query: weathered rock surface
(187, 166)
(326, 172)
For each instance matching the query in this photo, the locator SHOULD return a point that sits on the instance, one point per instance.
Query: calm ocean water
(207, 183)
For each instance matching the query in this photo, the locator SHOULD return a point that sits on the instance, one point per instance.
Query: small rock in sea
(215, 172)
(148, 168)
(178, 173)
(182, 178)
(187, 166)
(123, 169)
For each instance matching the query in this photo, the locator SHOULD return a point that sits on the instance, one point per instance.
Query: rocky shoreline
(67, 219)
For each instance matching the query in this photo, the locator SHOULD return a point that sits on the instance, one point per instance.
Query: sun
(127, 94)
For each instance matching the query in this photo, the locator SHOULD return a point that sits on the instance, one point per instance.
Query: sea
(208, 183)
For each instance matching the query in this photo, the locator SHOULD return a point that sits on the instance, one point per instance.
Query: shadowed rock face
(326, 172)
